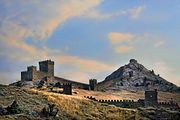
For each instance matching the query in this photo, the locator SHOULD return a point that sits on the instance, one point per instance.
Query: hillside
(32, 101)
(72, 107)
(133, 77)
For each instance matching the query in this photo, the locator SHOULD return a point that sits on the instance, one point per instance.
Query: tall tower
(92, 84)
(151, 98)
(47, 66)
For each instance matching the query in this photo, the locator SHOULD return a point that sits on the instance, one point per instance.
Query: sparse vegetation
(34, 102)
(50, 111)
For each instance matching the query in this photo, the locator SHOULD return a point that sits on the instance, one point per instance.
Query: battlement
(31, 68)
(50, 62)
(67, 88)
(91, 98)
(167, 104)
(47, 66)
(118, 103)
(132, 103)
(46, 69)
(67, 84)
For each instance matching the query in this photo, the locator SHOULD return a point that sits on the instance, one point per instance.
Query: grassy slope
(75, 106)
(70, 107)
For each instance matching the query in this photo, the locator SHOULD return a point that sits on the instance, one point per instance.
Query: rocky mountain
(133, 77)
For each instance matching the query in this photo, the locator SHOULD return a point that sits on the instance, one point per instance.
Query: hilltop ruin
(46, 73)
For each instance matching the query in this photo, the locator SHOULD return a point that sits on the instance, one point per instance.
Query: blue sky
(89, 38)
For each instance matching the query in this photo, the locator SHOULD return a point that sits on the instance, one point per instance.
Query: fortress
(46, 72)
(46, 69)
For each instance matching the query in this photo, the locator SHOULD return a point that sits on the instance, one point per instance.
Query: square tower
(151, 98)
(67, 88)
(92, 84)
(47, 66)
(29, 74)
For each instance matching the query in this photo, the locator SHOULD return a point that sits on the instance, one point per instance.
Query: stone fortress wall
(46, 69)
(149, 101)
(46, 72)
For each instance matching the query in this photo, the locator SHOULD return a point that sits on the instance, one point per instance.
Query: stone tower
(151, 98)
(67, 88)
(92, 84)
(29, 74)
(47, 67)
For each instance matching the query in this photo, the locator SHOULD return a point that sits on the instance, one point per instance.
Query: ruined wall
(122, 103)
(119, 103)
(38, 75)
(171, 105)
(33, 75)
(135, 104)
(67, 89)
(26, 76)
(74, 84)
(46, 69)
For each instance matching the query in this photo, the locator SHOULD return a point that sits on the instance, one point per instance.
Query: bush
(50, 110)
(13, 108)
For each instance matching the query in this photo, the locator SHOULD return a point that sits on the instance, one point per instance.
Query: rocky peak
(132, 61)
(136, 76)
(129, 70)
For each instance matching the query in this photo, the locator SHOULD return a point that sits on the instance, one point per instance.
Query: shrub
(13, 108)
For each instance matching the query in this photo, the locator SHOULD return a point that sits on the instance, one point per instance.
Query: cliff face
(135, 76)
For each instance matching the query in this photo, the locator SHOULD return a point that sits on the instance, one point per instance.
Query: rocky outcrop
(50, 111)
(12, 109)
(135, 76)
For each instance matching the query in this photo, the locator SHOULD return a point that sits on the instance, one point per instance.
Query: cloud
(132, 13)
(118, 38)
(126, 42)
(159, 44)
(121, 42)
(162, 67)
(36, 20)
(123, 49)
(42, 18)
(135, 13)
(95, 14)
(83, 65)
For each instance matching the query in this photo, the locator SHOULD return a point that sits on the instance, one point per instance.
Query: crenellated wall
(118, 103)
(170, 104)
(46, 71)
(134, 104)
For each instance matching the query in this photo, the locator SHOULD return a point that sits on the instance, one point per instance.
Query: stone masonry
(46, 72)
(46, 69)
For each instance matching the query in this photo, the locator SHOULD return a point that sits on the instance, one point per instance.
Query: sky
(89, 38)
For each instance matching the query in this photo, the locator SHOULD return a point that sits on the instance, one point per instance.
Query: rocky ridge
(135, 76)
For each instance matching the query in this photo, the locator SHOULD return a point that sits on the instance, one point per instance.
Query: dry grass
(126, 95)
(80, 108)
(73, 106)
